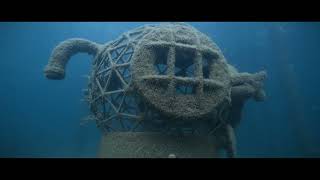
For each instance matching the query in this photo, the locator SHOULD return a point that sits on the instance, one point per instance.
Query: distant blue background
(41, 118)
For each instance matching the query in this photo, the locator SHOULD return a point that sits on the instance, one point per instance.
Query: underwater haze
(42, 118)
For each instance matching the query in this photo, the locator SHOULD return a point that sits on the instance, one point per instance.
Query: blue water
(41, 118)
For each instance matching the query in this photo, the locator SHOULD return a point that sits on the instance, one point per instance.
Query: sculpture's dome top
(180, 33)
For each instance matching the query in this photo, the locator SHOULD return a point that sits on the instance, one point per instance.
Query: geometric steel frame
(109, 90)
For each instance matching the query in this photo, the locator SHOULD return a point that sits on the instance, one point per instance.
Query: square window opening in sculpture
(184, 64)
(207, 62)
(160, 61)
(205, 68)
(185, 89)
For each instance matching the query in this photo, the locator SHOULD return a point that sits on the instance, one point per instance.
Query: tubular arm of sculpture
(226, 139)
(231, 142)
(64, 51)
(246, 85)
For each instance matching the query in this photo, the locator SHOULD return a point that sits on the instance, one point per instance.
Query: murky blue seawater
(41, 118)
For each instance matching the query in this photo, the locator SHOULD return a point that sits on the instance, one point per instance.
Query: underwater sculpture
(162, 91)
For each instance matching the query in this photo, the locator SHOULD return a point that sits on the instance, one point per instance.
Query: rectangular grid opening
(207, 62)
(184, 65)
(160, 61)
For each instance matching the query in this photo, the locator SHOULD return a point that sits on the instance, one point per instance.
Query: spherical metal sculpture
(169, 79)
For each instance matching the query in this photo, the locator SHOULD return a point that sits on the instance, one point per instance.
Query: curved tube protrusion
(63, 52)
(247, 85)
